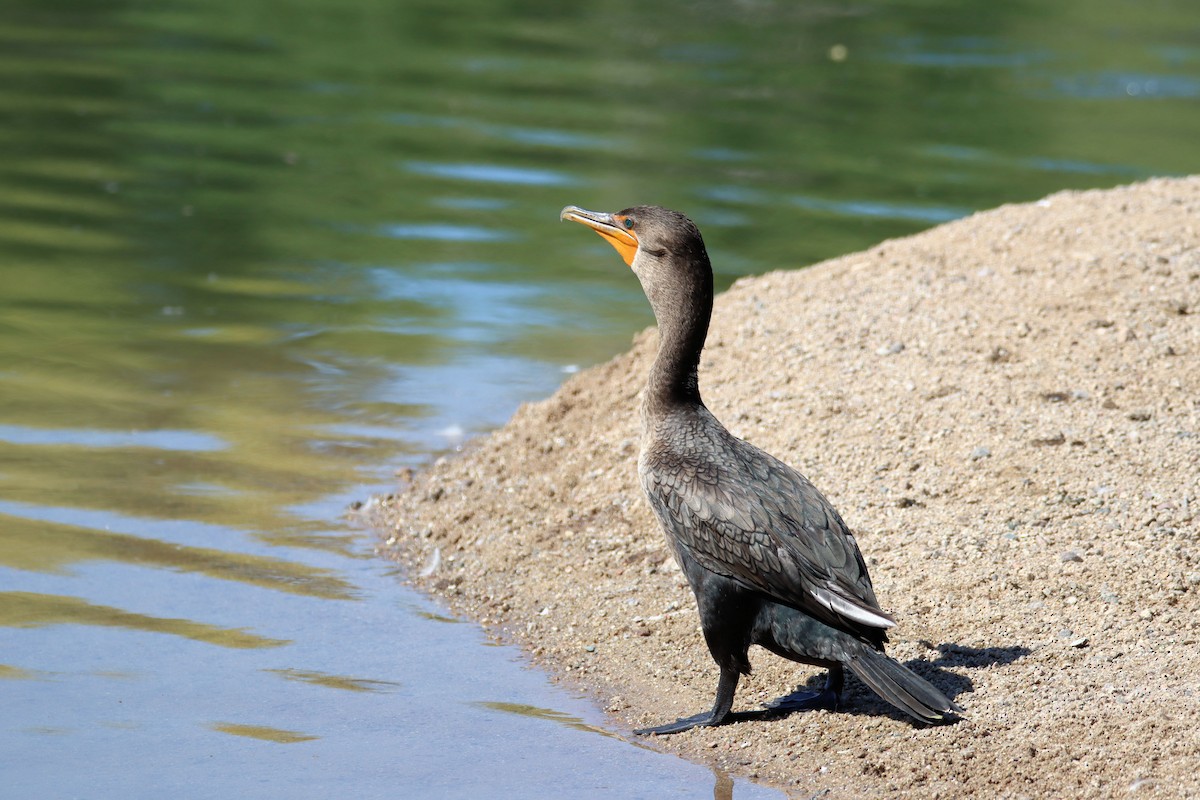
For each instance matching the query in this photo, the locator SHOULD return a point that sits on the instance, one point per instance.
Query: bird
(767, 556)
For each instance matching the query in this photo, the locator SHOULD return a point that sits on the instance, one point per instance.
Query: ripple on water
(1037, 163)
(179, 440)
(491, 173)
(880, 210)
(444, 232)
(47, 539)
(1116, 85)
(960, 52)
(35, 609)
(264, 732)
(343, 682)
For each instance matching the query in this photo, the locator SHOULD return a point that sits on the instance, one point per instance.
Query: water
(255, 257)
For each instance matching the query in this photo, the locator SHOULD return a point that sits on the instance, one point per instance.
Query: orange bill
(610, 226)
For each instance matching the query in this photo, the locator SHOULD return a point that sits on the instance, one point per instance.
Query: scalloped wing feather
(743, 514)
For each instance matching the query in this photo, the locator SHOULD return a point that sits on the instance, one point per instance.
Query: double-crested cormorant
(769, 559)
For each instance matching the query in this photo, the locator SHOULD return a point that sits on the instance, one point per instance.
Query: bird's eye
(628, 223)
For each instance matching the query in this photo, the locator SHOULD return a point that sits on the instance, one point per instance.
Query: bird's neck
(674, 377)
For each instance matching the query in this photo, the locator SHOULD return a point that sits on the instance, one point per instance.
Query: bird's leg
(829, 698)
(726, 686)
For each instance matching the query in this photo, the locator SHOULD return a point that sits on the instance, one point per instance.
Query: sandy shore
(1006, 410)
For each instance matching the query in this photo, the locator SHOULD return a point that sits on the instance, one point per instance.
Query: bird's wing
(743, 514)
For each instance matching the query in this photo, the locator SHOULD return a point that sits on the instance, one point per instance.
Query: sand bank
(1006, 410)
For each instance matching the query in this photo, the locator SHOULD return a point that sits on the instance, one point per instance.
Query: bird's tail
(901, 687)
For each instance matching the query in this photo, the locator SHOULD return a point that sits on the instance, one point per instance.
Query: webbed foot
(726, 686)
(705, 720)
(824, 700)
(829, 698)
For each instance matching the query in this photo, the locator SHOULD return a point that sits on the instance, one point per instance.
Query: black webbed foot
(719, 715)
(705, 720)
(829, 698)
(824, 700)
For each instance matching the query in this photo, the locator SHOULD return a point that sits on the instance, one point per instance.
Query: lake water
(257, 256)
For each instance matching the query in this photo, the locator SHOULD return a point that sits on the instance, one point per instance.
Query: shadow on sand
(858, 699)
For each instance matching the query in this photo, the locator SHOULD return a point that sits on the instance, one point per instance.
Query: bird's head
(663, 247)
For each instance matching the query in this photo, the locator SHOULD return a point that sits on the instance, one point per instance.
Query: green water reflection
(27, 609)
(319, 236)
(526, 710)
(11, 673)
(264, 732)
(342, 682)
(38, 545)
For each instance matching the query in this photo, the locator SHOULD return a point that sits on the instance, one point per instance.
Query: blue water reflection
(161, 440)
(866, 208)
(1123, 86)
(966, 52)
(491, 173)
(445, 232)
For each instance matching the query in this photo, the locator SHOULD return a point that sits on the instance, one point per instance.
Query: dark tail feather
(901, 687)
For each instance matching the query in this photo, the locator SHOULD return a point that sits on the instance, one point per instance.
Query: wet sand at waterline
(1006, 411)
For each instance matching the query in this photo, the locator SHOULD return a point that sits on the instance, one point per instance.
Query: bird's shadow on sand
(858, 699)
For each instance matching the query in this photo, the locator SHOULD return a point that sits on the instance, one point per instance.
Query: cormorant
(768, 557)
